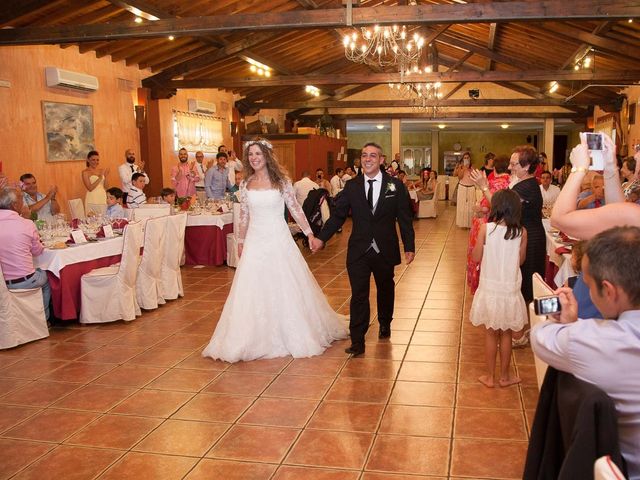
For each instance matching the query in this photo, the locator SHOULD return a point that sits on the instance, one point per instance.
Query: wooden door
(285, 152)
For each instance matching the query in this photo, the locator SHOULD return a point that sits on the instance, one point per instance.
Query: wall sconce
(140, 116)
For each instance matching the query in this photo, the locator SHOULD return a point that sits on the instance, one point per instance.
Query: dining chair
(150, 211)
(76, 209)
(22, 317)
(171, 278)
(109, 294)
(96, 209)
(427, 208)
(148, 289)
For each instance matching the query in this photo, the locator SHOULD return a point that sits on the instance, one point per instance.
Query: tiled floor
(136, 400)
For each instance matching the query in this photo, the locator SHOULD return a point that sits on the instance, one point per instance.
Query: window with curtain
(196, 131)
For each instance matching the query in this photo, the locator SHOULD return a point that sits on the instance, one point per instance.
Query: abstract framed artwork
(68, 131)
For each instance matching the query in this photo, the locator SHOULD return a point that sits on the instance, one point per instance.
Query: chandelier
(384, 46)
(424, 96)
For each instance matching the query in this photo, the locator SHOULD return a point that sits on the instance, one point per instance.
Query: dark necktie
(133, 169)
(370, 194)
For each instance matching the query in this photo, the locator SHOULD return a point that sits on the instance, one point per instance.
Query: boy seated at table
(114, 203)
(136, 196)
(168, 195)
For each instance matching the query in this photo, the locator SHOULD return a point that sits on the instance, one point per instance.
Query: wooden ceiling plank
(328, 18)
(454, 90)
(13, 11)
(447, 115)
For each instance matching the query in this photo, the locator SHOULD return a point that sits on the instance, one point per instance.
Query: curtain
(198, 131)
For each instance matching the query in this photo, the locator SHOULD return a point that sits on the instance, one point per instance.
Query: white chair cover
(76, 209)
(232, 238)
(97, 209)
(427, 208)
(441, 192)
(150, 211)
(148, 291)
(453, 183)
(171, 279)
(22, 316)
(540, 289)
(108, 294)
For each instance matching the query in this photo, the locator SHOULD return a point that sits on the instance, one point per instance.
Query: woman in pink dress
(498, 181)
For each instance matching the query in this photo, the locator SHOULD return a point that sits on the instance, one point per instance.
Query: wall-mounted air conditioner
(56, 77)
(201, 106)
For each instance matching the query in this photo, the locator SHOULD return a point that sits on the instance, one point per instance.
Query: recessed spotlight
(380, 127)
(171, 37)
(138, 20)
(442, 126)
(504, 126)
(630, 20)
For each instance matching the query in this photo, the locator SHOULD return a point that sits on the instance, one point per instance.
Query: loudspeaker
(474, 93)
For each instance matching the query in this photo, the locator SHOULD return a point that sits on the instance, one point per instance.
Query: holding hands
(315, 244)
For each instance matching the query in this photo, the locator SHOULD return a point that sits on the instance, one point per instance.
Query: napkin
(70, 241)
(75, 223)
(100, 233)
(562, 250)
(119, 224)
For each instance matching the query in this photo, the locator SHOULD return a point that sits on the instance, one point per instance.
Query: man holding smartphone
(603, 352)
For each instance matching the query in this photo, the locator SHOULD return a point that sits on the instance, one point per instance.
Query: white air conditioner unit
(56, 77)
(201, 106)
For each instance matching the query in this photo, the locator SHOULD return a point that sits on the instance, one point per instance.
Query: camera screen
(594, 141)
(549, 305)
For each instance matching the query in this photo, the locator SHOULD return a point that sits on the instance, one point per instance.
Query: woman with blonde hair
(275, 307)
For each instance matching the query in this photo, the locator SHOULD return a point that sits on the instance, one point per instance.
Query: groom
(376, 200)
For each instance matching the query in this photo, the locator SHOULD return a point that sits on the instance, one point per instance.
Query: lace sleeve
(243, 224)
(289, 195)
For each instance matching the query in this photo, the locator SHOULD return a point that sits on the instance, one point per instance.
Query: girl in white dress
(498, 303)
(275, 307)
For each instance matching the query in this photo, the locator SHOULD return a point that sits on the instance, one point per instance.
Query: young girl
(498, 303)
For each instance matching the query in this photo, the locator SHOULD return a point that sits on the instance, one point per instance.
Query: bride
(275, 307)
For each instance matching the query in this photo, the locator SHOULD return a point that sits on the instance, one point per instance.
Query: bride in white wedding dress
(275, 307)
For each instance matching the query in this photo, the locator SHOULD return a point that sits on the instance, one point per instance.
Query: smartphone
(546, 305)
(595, 144)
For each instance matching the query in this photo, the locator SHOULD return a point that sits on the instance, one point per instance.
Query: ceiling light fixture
(138, 20)
(380, 126)
(553, 87)
(504, 126)
(442, 126)
(171, 37)
(259, 68)
(315, 91)
(630, 20)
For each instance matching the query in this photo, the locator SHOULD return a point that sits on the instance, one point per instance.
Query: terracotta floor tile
(182, 379)
(273, 365)
(51, 425)
(130, 376)
(12, 415)
(347, 416)
(180, 437)
(430, 353)
(440, 314)
(254, 443)
(160, 357)
(280, 412)
(477, 458)
(78, 372)
(9, 384)
(115, 431)
(39, 393)
(479, 396)
(370, 368)
(112, 354)
(428, 372)
(70, 463)
(360, 390)
(320, 366)
(30, 369)
(95, 398)
(497, 424)
(182, 341)
(527, 374)
(136, 466)
(93, 336)
(294, 386)
(377, 349)
(393, 476)
(416, 455)
(153, 403)
(236, 383)
(198, 362)
(469, 372)
(445, 326)
(330, 449)
(472, 354)
(287, 472)
(435, 338)
(65, 351)
(140, 339)
(209, 407)
(209, 469)
(530, 396)
(423, 393)
(417, 420)
(17, 454)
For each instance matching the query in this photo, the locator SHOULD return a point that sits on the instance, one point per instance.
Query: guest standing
(466, 194)
(184, 175)
(216, 180)
(95, 181)
(126, 171)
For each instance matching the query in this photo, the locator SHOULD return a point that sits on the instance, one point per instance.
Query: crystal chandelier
(424, 97)
(384, 46)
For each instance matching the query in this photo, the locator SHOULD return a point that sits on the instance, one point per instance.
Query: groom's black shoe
(355, 350)
(385, 332)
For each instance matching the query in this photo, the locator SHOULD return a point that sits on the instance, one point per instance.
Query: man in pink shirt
(184, 175)
(19, 243)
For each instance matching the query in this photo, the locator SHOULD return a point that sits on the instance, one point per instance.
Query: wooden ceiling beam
(611, 47)
(448, 115)
(619, 77)
(517, 11)
(14, 10)
(141, 9)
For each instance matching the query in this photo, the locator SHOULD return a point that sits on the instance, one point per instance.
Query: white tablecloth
(207, 219)
(413, 195)
(56, 260)
(563, 261)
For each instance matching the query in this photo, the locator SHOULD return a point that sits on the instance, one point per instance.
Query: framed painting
(68, 131)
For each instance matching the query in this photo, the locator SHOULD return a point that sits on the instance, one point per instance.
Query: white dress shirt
(234, 166)
(336, 185)
(377, 186)
(201, 170)
(601, 352)
(303, 187)
(126, 170)
(549, 196)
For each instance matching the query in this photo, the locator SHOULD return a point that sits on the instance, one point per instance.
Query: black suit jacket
(393, 204)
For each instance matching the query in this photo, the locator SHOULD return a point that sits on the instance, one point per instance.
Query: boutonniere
(390, 188)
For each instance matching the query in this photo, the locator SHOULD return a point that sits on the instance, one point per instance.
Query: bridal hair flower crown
(262, 141)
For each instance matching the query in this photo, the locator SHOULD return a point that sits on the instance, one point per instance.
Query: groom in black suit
(376, 200)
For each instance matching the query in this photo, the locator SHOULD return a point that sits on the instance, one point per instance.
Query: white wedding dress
(275, 307)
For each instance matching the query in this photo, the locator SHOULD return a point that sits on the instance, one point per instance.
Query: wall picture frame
(69, 132)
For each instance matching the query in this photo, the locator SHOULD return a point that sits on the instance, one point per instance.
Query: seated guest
(321, 181)
(239, 176)
(136, 196)
(549, 192)
(628, 172)
(216, 180)
(489, 160)
(114, 203)
(602, 352)
(428, 188)
(43, 206)
(402, 176)
(168, 196)
(348, 175)
(303, 186)
(19, 243)
(336, 182)
(594, 197)
(586, 308)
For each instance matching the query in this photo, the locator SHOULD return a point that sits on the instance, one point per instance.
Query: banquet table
(558, 267)
(205, 238)
(65, 268)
